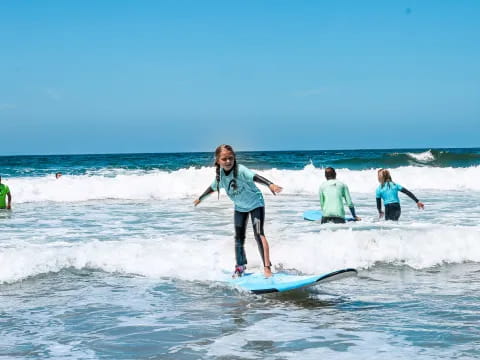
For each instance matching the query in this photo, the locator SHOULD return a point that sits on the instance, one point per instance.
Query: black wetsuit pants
(333, 219)
(392, 211)
(240, 220)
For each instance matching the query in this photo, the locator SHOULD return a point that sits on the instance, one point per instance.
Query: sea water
(113, 261)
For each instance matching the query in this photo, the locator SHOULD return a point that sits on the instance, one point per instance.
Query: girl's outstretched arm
(413, 197)
(273, 188)
(203, 196)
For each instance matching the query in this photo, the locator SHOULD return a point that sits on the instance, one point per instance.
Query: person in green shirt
(5, 193)
(332, 195)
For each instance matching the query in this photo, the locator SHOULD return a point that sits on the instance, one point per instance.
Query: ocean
(113, 261)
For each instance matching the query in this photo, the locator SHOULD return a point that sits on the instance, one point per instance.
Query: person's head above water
(330, 173)
(384, 176)
(225, 157)
(58, 175)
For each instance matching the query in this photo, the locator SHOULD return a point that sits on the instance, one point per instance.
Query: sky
(180, 76)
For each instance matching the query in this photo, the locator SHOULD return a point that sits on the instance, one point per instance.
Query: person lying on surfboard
(388, 191)
(332, 194)
(239, 184)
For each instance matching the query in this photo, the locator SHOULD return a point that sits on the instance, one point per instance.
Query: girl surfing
(239, 184)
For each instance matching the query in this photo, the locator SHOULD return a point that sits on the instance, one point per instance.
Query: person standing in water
(388, 192)
(333, 193)
(239, 184)
(5, 194)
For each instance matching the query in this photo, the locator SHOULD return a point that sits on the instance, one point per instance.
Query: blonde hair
(384, 176)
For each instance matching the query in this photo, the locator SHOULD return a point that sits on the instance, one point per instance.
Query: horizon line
(427, 148)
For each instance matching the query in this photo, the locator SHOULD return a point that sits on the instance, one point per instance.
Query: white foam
(192, 182)
(183, 257)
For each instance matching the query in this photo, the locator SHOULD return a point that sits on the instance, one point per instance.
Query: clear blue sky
(165, 76)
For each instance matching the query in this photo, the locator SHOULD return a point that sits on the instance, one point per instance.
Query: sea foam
(190, 182)
(212, 260)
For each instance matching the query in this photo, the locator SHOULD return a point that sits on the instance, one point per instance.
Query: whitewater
(114, 261)
(122, 184)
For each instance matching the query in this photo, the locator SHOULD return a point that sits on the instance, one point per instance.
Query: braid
(217, 171)
(235, 174)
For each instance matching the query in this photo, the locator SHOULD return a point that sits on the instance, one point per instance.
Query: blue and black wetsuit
(388, 192)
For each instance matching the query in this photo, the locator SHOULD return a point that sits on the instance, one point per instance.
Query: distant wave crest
(430, 158)
(425, 156)
(438, 158)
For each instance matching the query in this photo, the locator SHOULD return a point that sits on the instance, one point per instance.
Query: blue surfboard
(280, 282)
(314, 215)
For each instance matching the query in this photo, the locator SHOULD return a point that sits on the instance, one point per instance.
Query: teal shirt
(246, 196)
(4, 190)
(333, 193)
(389, 192)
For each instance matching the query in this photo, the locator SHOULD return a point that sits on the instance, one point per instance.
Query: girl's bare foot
(267, 271)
